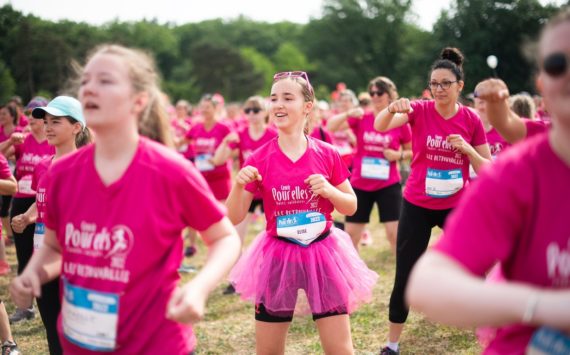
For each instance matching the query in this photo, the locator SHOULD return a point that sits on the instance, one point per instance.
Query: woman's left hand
(457, 142)
(187, 304)
(391, 154)
(319, 185)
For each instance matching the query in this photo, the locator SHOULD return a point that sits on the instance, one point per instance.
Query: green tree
(7, 83)
(261, 65)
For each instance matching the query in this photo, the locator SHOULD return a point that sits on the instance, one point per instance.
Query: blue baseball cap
(62, 106)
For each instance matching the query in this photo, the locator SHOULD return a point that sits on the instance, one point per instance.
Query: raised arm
(393, 116)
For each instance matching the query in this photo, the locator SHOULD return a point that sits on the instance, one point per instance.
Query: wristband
(531, 305)
(402, 155)
(390, 112)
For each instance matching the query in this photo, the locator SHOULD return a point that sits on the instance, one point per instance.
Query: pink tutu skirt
(330, 271)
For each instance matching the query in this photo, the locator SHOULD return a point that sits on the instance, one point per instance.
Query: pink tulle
(330, 272)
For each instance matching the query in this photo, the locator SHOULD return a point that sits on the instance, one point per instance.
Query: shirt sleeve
(50, 218)
(199, 205)
(406, 133)
(479, 136)
(5, 172)
(339, 171)
(534, 127)
(479, 233)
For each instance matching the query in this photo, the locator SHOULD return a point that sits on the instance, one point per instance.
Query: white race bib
(443, 183)
(301, 228)
(25, 185)
(375, 168)
(202, 162)
(547, 341)
(90, 317)
(39, 233)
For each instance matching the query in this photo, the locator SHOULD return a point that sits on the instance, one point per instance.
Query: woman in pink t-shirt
(117, 244)
(526, 229)
(181, 123)
(302, 180)
(344, 139)
(375, 174)
(65, 131)
(246, 141)
(446, 138)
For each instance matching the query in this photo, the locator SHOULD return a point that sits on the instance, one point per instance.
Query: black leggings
(49, 306)
(414, 232)
(24, 242)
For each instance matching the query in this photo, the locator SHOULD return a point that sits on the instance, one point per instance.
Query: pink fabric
(23, 121)
(39, 184)
(536, 127)
(28, 155)
(322, 134)
(330, 272)
(496, 143)
(248, 145)
(204, 143)
(283, 188)
(5, 173)
(526, 229)
(135, 249)
(180, 129)
(430, 150)
(371, 143)
(4, 136)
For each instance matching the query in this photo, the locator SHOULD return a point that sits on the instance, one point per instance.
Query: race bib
(548, 341)
(301, 228)
(375, 168)
(90, 317)
(202, 162)
(25, 185)
(443, 183)
(39, 233)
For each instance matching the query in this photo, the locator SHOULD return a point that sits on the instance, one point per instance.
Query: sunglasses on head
(378, 93)
(293, 74)
(555, 64)
(251, 109)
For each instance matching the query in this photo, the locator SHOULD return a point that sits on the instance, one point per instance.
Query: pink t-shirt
(121, 248)
(283, 186)
(5, 172)
(28, 155)
(439, 173)
(247, 145)
(180, 129)
(535, 127)
(496, 143)
(370, 170)
(39, 184)
(204, 144)
(526, 229)
(320, 133)
(4, 136)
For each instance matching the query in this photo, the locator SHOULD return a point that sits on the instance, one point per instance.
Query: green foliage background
(352, 41)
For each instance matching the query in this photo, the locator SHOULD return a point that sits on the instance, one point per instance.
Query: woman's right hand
(231, 138)
(400, 106)
(247, 175)
(17, 138)
(356, 112)
(493, 90)
(24, 288)
(20, 222)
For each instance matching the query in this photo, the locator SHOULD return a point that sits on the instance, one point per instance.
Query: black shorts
(254, 204)
(262, 315)
(389, 200)
(5, 209)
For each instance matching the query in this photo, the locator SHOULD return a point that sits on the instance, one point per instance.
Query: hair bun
(452, 54)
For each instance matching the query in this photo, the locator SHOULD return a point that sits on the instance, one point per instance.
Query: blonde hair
(523, 105)
(385, 84)
(153, 121)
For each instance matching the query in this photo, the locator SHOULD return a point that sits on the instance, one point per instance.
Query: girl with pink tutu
(301, 180)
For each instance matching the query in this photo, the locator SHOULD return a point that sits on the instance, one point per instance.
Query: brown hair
(383, 83)
(153, 121)
(451, 59)
(306, 91)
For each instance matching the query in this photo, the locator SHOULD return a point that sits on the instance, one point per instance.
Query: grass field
(229, 326)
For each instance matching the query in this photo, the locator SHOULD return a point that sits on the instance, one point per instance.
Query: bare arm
(239, 200)
(8, 186)
(339, 122)
(187, 304)
(21, 221)
(341, 196)
(462, 299)
(496, 95)
(393, 116)
(44, 266)
(224, 152)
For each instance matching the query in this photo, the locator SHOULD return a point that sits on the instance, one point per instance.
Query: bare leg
(270, 337)
(355, 231)
(392, 233)
(5, 332)
(335, 335)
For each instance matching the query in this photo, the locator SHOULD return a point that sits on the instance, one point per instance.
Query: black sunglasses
(376, 93)
(250, 109)
(555, 64)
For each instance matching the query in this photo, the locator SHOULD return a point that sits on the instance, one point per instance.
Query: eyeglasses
(293, 74)
(555, 64)
(444, 85)
(376, 93)
(249, 110)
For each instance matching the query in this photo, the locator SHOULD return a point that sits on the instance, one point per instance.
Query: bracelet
(390, 112)
(531, 305)
(402, 155)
